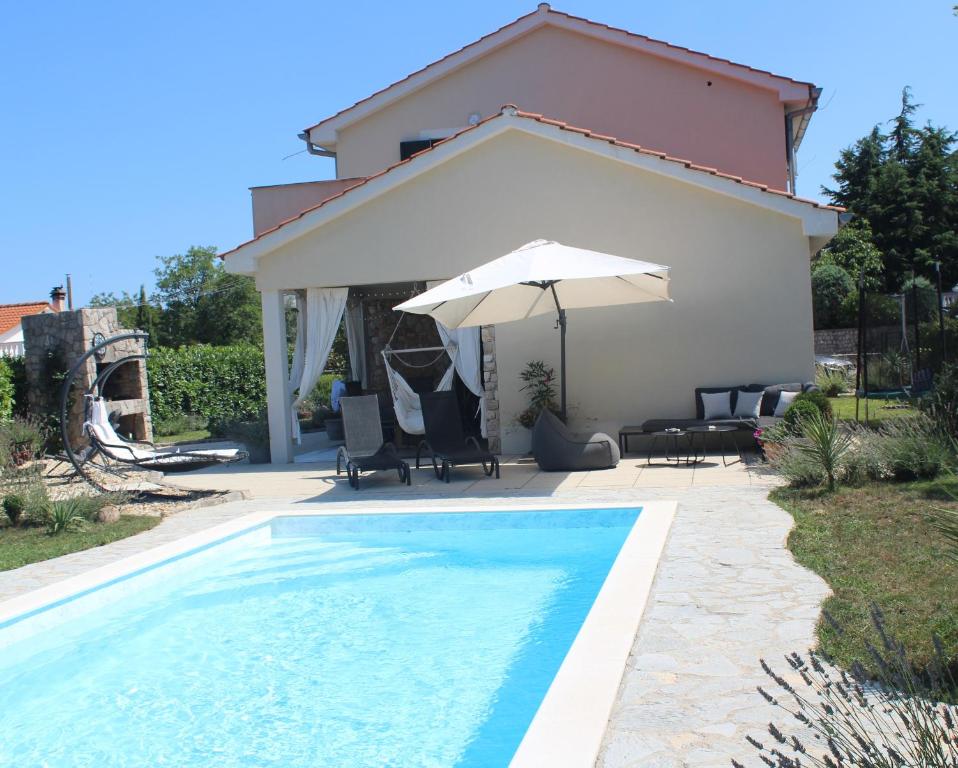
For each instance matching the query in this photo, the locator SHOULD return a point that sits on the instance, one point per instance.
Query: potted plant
(539, 381)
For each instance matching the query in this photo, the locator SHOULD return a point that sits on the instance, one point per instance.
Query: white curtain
(324, 313)
(468, 361)
(356, 341)
(299, 347)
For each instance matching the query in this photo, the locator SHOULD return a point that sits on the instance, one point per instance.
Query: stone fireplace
(54, 342)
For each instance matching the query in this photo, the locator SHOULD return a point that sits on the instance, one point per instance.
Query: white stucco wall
(740, 278)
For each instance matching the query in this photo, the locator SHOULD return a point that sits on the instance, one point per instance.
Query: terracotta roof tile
(511, 108)
(571, 17)
(10, 314)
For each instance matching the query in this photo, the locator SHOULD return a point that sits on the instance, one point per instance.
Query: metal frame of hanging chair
(84, 460)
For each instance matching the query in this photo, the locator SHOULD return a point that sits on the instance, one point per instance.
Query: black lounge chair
(365, 449)
(445, 443)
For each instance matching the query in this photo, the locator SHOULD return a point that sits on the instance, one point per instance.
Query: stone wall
(414, 331)
(490, 378)
(54, 342)
(844, 341)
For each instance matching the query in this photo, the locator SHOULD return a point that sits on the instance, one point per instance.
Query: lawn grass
(843, 408)
(21, 546)
(875, 544)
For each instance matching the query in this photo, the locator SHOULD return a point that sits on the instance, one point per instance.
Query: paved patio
(519, 473)
(727, 591)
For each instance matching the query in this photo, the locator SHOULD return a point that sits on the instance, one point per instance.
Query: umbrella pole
(562, 361)
(561, 311)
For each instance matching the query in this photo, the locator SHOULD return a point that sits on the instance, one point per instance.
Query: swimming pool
(408, 639)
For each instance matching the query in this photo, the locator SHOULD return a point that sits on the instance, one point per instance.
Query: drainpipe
(813, 95)
(315, 149)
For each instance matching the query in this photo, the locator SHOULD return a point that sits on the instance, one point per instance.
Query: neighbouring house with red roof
(11, 332)
(561, 128)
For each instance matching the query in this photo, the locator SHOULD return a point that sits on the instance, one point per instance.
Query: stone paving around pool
(727, 591)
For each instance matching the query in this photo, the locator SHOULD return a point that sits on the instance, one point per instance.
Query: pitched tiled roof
(10, 314)
(579, 19)
(511, 110)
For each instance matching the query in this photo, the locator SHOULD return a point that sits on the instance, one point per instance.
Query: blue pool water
(364, 640)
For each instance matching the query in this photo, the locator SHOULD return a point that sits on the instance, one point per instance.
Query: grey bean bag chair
(556, 449)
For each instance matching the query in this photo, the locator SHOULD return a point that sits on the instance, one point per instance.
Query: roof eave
(817, 220)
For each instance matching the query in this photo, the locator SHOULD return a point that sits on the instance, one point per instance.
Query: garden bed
(877, 544)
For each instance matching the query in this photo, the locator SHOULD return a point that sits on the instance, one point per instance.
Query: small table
(624, 434)
(675, 434)
(721, 430)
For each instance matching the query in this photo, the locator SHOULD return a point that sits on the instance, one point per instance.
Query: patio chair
(445, 443)
(142, 454)
(365, 450)
(557, 449)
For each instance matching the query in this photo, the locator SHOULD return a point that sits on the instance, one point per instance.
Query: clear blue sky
(130, 130)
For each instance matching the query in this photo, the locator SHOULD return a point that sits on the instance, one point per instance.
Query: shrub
(903, 720)
(21, 440)
(879, 310)
(250, 432)
(26, 483)
(797, 468)
(215, 383)
(177, 425)
(322, 392)
(798, 411)
(913, 448)
(6, 391)
(13, 506)
(830, 286)
(832, 381)
(941, 404)
(818, 399)
(865, 460)
(65, 515)
(826, 445)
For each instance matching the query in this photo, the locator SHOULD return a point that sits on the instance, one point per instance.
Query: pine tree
(904, 184)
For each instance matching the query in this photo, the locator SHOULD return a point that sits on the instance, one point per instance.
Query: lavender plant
(846, 719)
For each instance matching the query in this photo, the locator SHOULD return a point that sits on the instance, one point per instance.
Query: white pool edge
(570, 724)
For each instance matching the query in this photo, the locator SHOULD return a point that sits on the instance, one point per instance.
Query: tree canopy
(904, 185)
(196, 302)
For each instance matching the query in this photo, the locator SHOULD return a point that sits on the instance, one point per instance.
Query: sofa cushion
(772, 392)
(785, 399)
(717, 405)
(700, 406)
(748, 404)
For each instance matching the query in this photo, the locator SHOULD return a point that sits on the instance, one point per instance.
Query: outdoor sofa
(766, 418)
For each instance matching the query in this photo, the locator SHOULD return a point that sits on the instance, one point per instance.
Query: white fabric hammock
(405, 400)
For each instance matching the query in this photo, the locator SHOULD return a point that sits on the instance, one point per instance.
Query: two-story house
(562, 128)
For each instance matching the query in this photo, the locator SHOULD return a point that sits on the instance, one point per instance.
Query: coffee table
(625, 433)
(721, 430)
(674, 434)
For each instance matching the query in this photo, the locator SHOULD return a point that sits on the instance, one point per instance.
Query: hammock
(405, 400)
(141, 454)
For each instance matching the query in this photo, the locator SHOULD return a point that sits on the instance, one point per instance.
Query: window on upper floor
(409, 148)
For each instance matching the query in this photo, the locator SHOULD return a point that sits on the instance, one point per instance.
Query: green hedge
(6, 391)
(217, 383)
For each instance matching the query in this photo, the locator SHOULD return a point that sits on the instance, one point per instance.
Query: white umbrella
(541, 277)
